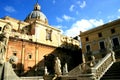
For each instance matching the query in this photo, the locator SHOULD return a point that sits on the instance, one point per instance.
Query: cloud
(60, 27)
(99, 12)
(9, 9)
(72, 8)
(64, 18)
(118, 16)
(59, 19)
(118, 10)
(82, 25)
(111, 17)
(81, 4)
(67, 18)
(54, 1)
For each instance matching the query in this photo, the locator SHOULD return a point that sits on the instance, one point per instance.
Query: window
(88, 48)
(87, 39)
(115, 42)
(14, 53)
(48, 34)
(0, 28)
(102, 45)
(30, 39)
(112, 30)
(99, 34)
(29, 67)
(29, 56)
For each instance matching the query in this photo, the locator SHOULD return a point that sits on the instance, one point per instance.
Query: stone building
(33, 39)
(94, 41)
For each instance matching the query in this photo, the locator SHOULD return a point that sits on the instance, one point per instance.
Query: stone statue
(57, 66)
(4, 36)
(3, 42)
(65, 69)
(46, 71)
(13, 59)
(92, 63)
(2, 48)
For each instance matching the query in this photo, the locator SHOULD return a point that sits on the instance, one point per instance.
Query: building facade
(33, 39)
(94, 41)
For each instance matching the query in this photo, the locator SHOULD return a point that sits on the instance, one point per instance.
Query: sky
(71, 16)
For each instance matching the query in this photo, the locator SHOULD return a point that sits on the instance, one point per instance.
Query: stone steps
(113, 73)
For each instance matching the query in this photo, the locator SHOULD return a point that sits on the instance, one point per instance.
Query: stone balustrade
(87, 72)
(102, 66)
(32, 78)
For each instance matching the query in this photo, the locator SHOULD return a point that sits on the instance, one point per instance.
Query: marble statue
(46, 71)
(92, 63)
(57, 66)
(4, 36)
(65, 69)
(3, 43)
(13, 59)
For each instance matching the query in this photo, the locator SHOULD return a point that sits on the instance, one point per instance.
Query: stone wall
(29, 54)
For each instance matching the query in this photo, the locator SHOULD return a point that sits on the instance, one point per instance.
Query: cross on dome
(37, 7)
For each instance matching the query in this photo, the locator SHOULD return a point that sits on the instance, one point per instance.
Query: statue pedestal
(52, 77)
(1, 71)
(7, 72)
(48, 77)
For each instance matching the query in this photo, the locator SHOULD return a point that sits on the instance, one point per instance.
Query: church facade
(32, 40)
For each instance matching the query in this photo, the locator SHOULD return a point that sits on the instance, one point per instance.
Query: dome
(37, 14)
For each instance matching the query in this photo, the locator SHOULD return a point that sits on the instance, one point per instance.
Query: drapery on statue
(57, 66)
(2, 48)
(4, 37)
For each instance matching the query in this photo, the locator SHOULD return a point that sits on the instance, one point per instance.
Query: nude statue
(57, 66)
(65, 69)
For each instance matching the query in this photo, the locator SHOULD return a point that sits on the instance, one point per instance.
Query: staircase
(113, 73)
(104, 69)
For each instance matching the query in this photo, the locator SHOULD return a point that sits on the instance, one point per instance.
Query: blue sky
(71, 16)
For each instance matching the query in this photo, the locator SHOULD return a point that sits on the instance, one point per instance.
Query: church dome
(37, 14)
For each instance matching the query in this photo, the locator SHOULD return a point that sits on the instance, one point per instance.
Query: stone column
(36, 56)
(23, 55)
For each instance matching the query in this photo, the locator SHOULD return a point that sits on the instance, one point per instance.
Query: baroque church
(35, 44)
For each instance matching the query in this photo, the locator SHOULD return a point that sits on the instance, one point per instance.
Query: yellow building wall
(93, 35)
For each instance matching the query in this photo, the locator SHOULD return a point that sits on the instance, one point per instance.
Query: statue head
(13, 60)
(7, 28)
(2, 61)
(57, 58)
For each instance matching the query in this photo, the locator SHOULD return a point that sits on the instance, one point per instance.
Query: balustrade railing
(95, 69)
(99, 69)
(22, 36)
(84, 68)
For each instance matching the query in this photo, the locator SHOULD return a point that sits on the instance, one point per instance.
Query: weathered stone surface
(1, 71)
(9, 73)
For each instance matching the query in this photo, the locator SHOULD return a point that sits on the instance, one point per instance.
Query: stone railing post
(103, 66)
